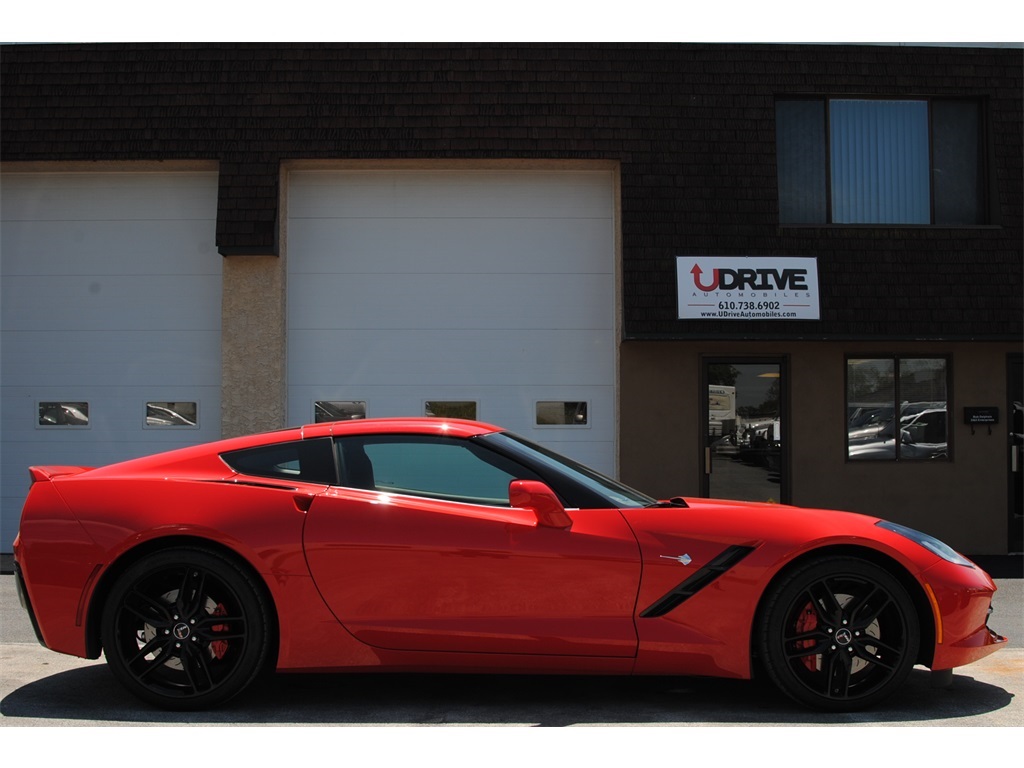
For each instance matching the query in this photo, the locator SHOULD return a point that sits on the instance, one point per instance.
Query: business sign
(747, 288)
(982, 414)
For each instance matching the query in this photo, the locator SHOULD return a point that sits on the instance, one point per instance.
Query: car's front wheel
(839, 634)
(185, 628)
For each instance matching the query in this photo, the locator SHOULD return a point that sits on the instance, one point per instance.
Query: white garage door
(110, 320)
(411, 291)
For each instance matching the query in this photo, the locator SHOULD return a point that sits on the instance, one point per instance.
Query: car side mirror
(542, 501)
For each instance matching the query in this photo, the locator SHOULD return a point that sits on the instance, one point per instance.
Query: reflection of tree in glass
(922, 379)
(870, 379)
(723, 375)
(749, 382)
(769, 407)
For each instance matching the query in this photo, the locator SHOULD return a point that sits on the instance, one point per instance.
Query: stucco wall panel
(253, 342)
(963, 501)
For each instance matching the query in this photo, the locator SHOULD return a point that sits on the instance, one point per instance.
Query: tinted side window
(306, 461)
(439, 468)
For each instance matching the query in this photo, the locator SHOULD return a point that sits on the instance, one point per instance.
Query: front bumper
(961, 600)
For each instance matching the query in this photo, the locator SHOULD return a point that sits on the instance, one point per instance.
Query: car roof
(184, 457)
(421, 425)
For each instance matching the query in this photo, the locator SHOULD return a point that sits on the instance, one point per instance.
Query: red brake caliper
(219, 647)
(807, 622)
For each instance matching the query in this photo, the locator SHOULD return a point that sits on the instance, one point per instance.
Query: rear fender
(57, 558)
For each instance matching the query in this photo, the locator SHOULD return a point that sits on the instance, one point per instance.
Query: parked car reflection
(922, 435)
(170, 415)
(63, 414)
(756, 444)
(867, 421)
(338, 410)
(879, 422)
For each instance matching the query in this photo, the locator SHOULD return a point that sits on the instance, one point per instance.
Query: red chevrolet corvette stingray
(426, 544)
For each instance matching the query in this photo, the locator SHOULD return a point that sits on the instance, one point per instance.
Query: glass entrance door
(744, 456)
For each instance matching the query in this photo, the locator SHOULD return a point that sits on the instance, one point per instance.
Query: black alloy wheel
(839, 634)
(185, 628)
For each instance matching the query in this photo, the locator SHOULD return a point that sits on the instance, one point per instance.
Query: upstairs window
(862, 161)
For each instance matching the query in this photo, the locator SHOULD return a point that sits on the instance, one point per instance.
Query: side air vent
(715, 568)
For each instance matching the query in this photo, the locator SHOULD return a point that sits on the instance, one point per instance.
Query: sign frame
(984, 415)
(747, 288)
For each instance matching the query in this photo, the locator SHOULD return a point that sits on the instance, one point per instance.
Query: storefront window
(896, 409)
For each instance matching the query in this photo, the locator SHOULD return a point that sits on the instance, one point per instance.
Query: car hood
(782, 532)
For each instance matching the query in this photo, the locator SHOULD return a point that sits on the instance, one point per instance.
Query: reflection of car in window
(922, 436)
(878, 422)
(867, 417)
(163, 416)
(63, 414)
(338, 410)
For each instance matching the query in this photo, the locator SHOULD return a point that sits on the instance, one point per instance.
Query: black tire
(839, 634)
(185, 629)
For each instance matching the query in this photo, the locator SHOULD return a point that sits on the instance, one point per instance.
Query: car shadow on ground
(91, 695)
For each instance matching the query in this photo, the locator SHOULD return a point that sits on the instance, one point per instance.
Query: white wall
(110, 293)
(493, 286)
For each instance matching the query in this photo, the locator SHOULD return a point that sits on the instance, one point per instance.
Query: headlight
(930, 543)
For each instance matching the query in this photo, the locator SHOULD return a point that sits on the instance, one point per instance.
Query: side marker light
(935, 612)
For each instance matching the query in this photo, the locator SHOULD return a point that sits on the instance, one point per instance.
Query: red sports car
(429, 544)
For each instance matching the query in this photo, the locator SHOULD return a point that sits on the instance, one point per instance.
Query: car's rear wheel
(839, 634)
(185, 628)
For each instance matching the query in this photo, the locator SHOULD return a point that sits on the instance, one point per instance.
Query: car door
(419, 549)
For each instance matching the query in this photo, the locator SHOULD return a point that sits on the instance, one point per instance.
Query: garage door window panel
(562, 413)
(63, 414)
(451, 409)
(338, 410)
(173, 415)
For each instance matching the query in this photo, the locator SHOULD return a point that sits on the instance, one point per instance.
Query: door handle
(707, 460)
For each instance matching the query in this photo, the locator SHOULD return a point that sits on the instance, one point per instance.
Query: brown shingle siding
(692, 125)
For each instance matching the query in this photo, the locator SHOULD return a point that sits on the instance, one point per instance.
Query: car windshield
(616, 493)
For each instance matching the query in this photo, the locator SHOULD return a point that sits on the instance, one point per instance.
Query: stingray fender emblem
(695, 582)
(684, 559)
